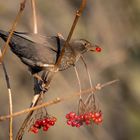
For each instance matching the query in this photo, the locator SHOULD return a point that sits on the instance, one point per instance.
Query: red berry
(34, 129)
(69, 122)
(45, 128)
(97, 114)
(98, 49)
(67, 116)
(100, 120)
(76, 117)
(90, 114)
(81, 117)
(73, 123)
(51, 123)
(86, 117)
(87, 122)
(72, 115)
(78, 125)
(48, 119)
(43, 122)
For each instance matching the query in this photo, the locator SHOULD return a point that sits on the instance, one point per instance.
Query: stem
(36, 98)
(90, 81)
(22, 6)
(35, 29)
(77, 75)
(10, 100)
(58, 100)
(78, 14)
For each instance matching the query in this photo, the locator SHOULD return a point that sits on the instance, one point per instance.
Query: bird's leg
(50, 67)
(36, 76)
(60, 35)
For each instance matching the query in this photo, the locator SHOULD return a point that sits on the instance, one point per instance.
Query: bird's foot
(36, 76)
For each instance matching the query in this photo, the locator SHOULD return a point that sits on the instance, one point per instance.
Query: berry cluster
(44, 123)
(87, 118)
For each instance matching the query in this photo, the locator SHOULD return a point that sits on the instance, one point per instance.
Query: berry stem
(79, 82)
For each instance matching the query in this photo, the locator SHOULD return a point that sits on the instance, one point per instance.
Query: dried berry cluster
(87, 118)
(44, 123)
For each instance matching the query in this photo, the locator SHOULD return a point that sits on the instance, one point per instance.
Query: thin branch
(79, 82)
(22, 6)
(78, 14)
(25, 122)
(35, 29)
(58, 100)
(10, 100)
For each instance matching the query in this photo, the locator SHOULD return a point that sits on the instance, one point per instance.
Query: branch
(58, 100)
(22, 6)
(35, 29)
(25, 122)
(10, 100)
(78, 14)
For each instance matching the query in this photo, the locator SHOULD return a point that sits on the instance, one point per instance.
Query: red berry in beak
(98, 49)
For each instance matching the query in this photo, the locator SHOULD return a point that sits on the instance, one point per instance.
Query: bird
(40, 52)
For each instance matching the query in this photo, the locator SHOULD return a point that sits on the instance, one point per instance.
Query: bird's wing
(38, 48)
(48, 41)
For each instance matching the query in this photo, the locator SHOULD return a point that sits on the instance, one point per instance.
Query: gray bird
(41, 52)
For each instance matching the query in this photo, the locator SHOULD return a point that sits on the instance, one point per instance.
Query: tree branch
(58, 100)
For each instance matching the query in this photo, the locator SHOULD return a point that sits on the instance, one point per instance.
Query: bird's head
(82, 46)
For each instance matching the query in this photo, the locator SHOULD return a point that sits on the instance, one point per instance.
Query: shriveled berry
(54, 119)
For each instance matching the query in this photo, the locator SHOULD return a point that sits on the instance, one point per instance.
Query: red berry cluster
(87, 118)
(44, 123)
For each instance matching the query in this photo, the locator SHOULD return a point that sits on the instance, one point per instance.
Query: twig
(25, 122)
(22, 6)
(10, 100)
(35, 29)
(79, 82)
(58, 100)
(78, 14)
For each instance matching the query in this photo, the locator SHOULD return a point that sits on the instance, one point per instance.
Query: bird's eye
(85, 44)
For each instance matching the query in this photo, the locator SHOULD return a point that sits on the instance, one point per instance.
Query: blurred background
(112, 24)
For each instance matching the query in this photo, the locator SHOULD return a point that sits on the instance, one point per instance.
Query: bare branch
(78, 14)
(35, 29)
(22, 6)
(10, 100)
(58, 100)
